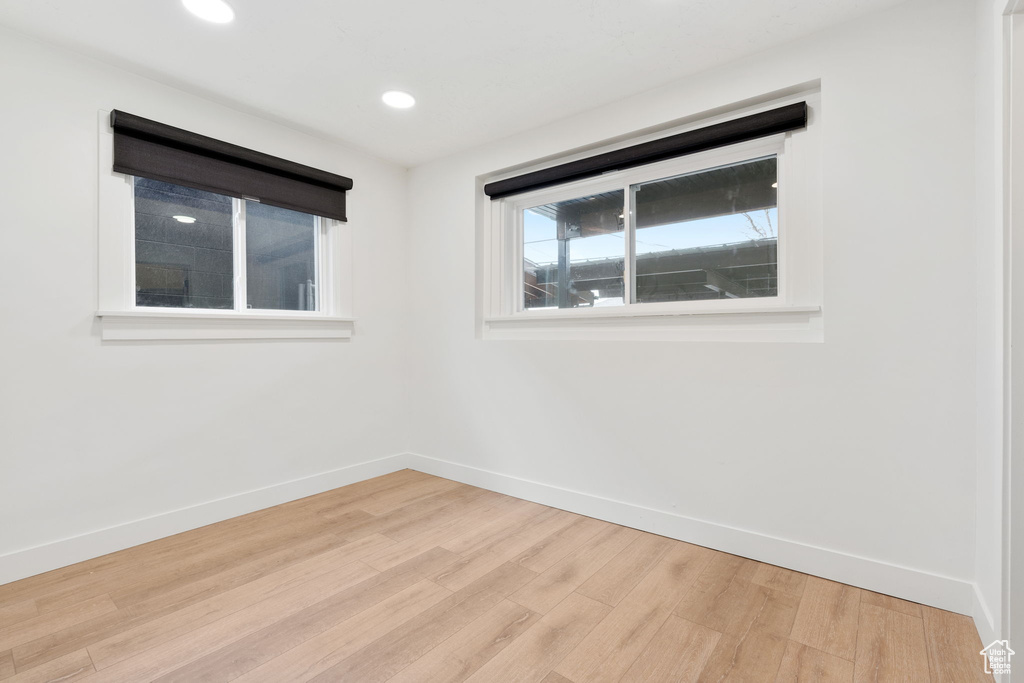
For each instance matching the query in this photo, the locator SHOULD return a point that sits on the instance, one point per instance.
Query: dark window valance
(762, 124)
(155, 150)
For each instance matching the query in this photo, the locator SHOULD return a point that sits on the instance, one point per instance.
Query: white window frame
(123, 320)
(793, 315)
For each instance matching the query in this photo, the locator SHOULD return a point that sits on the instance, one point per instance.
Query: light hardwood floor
(413, 578)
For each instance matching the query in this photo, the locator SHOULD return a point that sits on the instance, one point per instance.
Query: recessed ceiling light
(217, 11)
(184, 219)
(775, 184)
(398, 99)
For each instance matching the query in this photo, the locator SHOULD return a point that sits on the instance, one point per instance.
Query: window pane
(280, 258)
(183, 262)
(708, 235)
(574, 252)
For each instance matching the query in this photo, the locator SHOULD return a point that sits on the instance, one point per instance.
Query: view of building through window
(705, 235)
(574, 252)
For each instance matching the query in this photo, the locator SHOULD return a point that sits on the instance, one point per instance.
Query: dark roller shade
(762, 124)
(155, 150)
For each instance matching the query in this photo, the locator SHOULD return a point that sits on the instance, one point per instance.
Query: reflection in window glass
(574, 252)
(708, 235)
(183, 247)
(280, 258)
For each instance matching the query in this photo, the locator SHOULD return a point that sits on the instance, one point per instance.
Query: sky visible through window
(541, 246)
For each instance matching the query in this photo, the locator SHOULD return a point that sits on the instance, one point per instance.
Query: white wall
(861, 447)
(94, 434)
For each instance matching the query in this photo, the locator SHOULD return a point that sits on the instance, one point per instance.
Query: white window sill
(192, 326)
(753, 323)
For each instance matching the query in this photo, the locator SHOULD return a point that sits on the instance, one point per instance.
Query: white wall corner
(944, 592)
(61, 553)
(983, 620)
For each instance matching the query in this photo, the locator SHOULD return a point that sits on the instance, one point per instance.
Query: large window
(708, 234)
(721, 219)
(201, 250)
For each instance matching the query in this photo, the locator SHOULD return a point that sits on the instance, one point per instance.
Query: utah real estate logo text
(997, 657)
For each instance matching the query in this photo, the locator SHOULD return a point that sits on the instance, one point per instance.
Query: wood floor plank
(953, 647)
(471, 567)
(720, 589)
(803, 664)
(752, 657)
(610, 649)
(128, 663)
(475, 540)
(828, 618)
(534, 654)
(73, 666)
(41, 625)
(554, 585)
(388, 655)
(263, 641)
(679, 652)
(780, 579)
(415, 512)
(411, 547)
(305, 561)
(555, 678)
(188, 563)
(318, 654)
(559, 544)
(767, 610)
(241, 550)
(181, 590)
(461, 655)
(18, 611)
(890, 647)
(89, 632)
(336, 569)
(393, 499)
(622, 573)
(83, 634)
(6, 665)
(454, 511)
(724, 599)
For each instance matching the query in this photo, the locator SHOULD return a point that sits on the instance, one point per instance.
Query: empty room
(555, 342)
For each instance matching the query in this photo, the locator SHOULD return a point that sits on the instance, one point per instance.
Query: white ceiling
(480, 69)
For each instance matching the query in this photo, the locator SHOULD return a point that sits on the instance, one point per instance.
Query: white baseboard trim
(43, 558)
(910, 584)
(983, 618)
(915, 585)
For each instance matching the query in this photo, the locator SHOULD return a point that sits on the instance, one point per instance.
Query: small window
(202, 239)
(200, 250)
